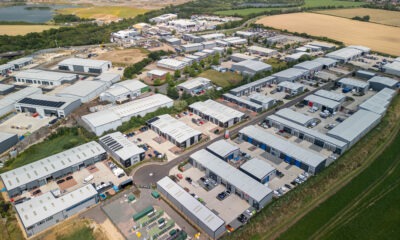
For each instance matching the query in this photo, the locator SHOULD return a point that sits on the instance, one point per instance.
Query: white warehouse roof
(293, 116)
(120, 145)
(325, 61)
(322, 101)
(217, 110)
(330, 95)
(290, 73)
(83, 89)
(254, 65)
(344, 53)
(354, 82)
(195, 83)
(309, 65)
(290, 85)
(222, 147)
(84, 62)
(257, 167)
(45, 75)
(232, 175)
(306, 156)
(262, 49)
(205, 215)
(389, 82)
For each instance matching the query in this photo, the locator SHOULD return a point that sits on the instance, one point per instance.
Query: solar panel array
(111, 143)
(40, 102)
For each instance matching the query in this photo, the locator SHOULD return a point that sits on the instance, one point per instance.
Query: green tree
(192, 72)
(177, 74)
(172, 93)
(229, 51)
(180, 105)
(215, 60)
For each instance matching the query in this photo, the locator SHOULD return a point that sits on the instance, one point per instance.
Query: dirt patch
(378, 37)
(67, 184)
(92, 169)
(123, 57)
(14, 30)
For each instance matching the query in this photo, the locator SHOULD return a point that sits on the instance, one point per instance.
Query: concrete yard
(23, 123)
(207, 128)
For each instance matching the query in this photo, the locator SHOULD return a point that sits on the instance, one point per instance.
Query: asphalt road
(150, 174)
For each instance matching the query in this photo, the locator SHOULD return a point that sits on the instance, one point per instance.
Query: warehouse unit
(124, 91)
(6, 89)
(331, 95)
(47, 210)
(240, 57)
(7, 104)
(311, 66)
(46, 105)
(38, 173)
(172, 64)
(365, 74)
(379, 102)
(354, 84)
(201, 54)
(5, 69)
(199, 214)
(21, 62)
(224, 150)
(307, 134)
(111, 118)
(217, 113)
(84, 65)
(251, 67)
(308, 160)
(378, 83)
(164, 18)
(121, 149)
(242, 102)
(173, 41)
(109, 78)
(209, 45)
(290, 75)
(262, 51)
(322, 103)
(174, 131)
(326, 62)
(7, 140)
(245, 34)
(295, 56)
(345, 55)
(156, 74)
(259, 170)
(192, 47)
(195, 85)
(296, 117)
(323, 45)
(192, 38)
(212, 36)
(392, 68)
(237, 182)
(233, 41)
(46, 78)
(263, 100)
(291, 88)
(355, 127)
(253, 86)
(86, 91)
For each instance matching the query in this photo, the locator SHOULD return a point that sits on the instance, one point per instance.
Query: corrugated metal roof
(222, 148)
(242, 100)
(34, 74)
(291, 85)
(294, 116)
(290, 73)
(256, 83)
(389, 82)
(217, 110)
(257, 167)
(121, 146)
(309, 65)
(195, 83)
(84, 62)
(354, 82)
(322, 101)
(330, 95)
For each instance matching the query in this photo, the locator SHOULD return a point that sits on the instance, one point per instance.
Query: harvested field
(378, 37)
(103, 12)
(124, 56)
(14, 30)
(386, 17)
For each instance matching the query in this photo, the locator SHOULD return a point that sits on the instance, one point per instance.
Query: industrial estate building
(291, 153)
(224, 150)
(354, 84)
(7, 103)
(6, 88)
(242, 102)
(84, 65)
(21, 62)
(86, 91)
(46, 78)
(124, 91)
(322, 103)
(195, 85)
(108, 78)
(347, 54)
(5, 69)
(217, 113)
(262, 51)
(379, 102)
(296, 117)
(38, 173)
(251, 67)
(393, 68)
(331, 95)
(171, 64)
(112, 118)
(240, 57)
(263, 100)
(174, 131)
(7, 140)
(290, 75)
(121, 149)
(46, 210)
(259, 170)
(252, 87)
(293, 88)
(378, 83)
(237, 182)
(46, 105)
(199, 214)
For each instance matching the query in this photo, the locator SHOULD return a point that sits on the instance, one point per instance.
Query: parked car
(69, 178)
(188, 179)
(288, 186)
(60, 181)
(36, 192)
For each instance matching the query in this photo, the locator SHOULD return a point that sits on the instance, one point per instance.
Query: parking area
(100, 172)
(207, 128)
(228, 208)
(24, 123)
(121, 210)
(371, 61)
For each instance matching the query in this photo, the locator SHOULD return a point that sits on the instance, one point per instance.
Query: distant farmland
(14, 30)
(104, 12)
(376, 15)
(378, 37)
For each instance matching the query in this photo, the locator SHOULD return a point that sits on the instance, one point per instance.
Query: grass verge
(226, 79)
(281, 214)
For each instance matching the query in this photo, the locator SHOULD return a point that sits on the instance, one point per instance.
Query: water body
(30, 13)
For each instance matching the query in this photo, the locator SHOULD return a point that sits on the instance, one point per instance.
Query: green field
(226, 79)
(308, 4)
(367, 208)
(58, 143)
(276, 63)
(84, 233)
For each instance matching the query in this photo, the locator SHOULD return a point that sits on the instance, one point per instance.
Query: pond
(30, 13)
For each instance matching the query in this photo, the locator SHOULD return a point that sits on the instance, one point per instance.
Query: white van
(88, 179)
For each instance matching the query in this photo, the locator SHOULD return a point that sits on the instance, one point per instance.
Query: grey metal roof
(330, 95)
(46, 205)
(294, 116)
(393, 66)
(242, 100)
(257, 167)
(308, 131)
(254, 65)
(261, 49)
(195, 83)
(232, 175)
(84, 62)
(290, 73)
(354, 82)
(21, 60)
(205, 215)
(325, 61)
(253, 84)
(243, 56)
(355, 125)
(45, 75)
(83, 88)
(5, 87)
(42, 97)
(46, 166)
(108, 77)
(379, 102)
(6, 66)
(217, 110)
(306, 156)
(389, 82)
(222, 148)
(5, 136)
(323, 101)
(309, 65)
(291, 85)
(344, 53)
(120, 145)
(261, 98)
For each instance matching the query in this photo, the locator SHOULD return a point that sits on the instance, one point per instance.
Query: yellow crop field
(14, 30)
(104, 12)
(378, 37)
(386, 17)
